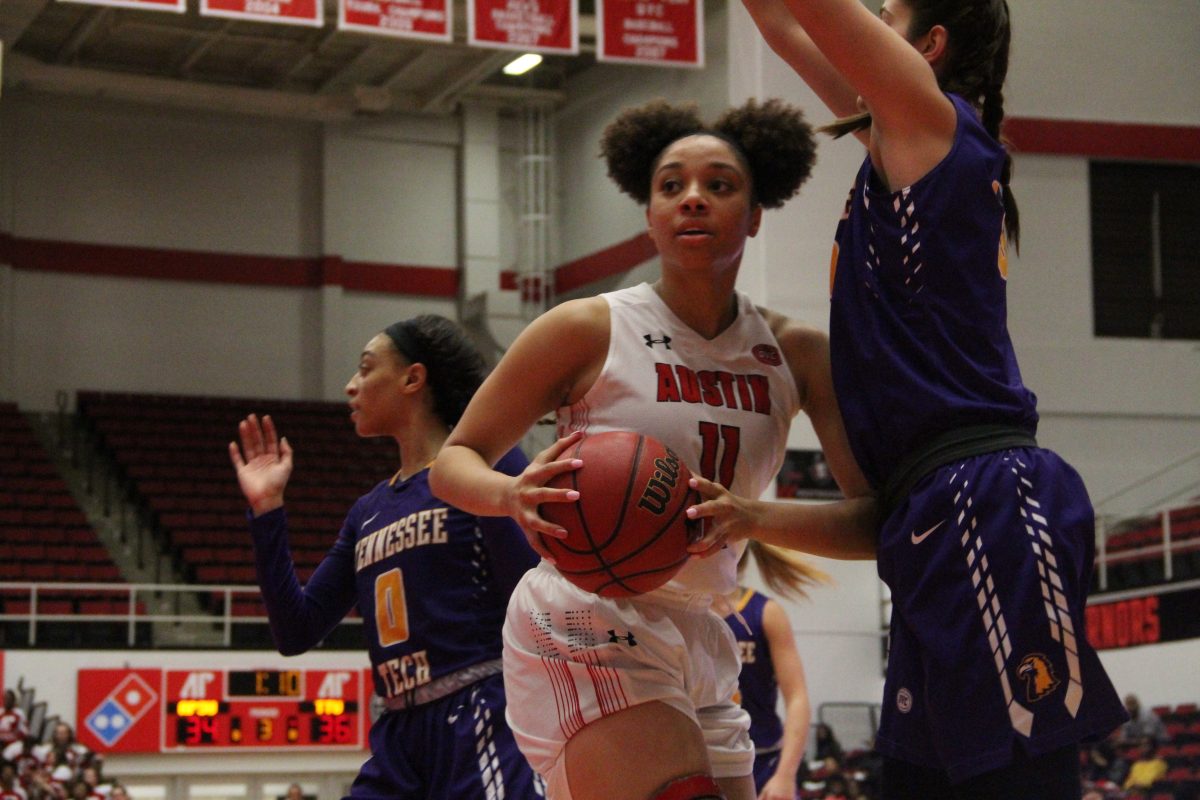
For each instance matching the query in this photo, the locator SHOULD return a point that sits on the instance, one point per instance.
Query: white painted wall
(93, 171)
(98, 172)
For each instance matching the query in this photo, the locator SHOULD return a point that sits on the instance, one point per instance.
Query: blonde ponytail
(785, 572)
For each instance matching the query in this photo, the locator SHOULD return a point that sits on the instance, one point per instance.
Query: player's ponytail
(453, 366)
(844, 125)
(993, 116)
(976, 66)
(783, 571)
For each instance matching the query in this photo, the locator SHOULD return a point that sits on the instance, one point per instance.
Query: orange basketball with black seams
(628, 533)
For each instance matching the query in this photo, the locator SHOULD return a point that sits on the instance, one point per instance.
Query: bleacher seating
(172, 452)
(44, 535)
(1181, 752)
(1135, 550)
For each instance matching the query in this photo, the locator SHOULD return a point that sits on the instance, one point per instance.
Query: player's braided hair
(771, 138)
(980, 34)
(976, 67)
(453, 365)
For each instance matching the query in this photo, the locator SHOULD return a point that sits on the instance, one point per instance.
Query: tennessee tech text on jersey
(430, 581)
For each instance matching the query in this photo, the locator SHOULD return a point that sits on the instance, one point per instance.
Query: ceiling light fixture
(522, 64)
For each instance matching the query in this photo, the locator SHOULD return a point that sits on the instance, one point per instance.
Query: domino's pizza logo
(121, 708)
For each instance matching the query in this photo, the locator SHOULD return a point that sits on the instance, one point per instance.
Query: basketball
(628, 533)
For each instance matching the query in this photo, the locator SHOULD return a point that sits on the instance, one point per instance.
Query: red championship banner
(119, 710)
(409, 19)
(290, 12)
(669, 33)
(177, 6)
(545, 26)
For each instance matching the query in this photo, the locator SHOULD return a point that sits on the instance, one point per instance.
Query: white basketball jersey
(723, 405)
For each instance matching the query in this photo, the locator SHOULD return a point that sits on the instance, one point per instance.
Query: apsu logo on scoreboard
(113, 708)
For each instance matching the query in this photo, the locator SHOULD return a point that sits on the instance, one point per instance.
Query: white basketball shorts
(572, 657)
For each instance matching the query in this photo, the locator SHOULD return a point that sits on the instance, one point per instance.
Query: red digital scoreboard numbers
(276, 709)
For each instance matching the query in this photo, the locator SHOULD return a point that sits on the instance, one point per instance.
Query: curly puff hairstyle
(772, 138)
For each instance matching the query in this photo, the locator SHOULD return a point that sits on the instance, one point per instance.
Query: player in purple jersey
(430, 580)
(986, 540)
(771, 666)
(647, 682)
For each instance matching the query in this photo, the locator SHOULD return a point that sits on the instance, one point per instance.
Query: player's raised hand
(529, 490)
(723, 517)
(263, 463)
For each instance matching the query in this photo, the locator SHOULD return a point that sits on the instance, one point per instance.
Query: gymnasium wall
(235, 231)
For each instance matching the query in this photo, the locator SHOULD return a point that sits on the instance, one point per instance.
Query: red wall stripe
(397, 279)
(1028, 134)
(1103, 139)
(621, 257)
(144, 262)
(40, 255)
(615, 260)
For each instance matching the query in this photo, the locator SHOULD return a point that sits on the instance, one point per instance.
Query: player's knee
(691, 787)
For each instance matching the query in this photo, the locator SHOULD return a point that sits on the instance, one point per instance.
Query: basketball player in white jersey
(631, 699)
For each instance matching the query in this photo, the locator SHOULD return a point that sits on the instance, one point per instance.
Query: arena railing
(139, 615)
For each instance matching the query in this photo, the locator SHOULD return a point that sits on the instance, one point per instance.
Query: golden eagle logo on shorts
(1038, 674)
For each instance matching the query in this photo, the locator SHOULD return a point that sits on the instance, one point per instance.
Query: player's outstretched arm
(783, 33)
(263, 463)
(913, 122)
(843, 529)
(549, 365)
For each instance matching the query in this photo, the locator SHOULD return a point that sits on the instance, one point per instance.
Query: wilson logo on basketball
(658, 489)
(767, 354)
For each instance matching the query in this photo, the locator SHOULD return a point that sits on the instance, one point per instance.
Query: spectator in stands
(430, 581)
(10, 787)
(1104, 764)
(79, 789)
(1147, 768)
(22, 754)
(836, 788)
(94, 780)
(66, 752)
(118, 792)
(827, 745)
(48, 780)
(1143, 724)
(13, 725)
(294, 792)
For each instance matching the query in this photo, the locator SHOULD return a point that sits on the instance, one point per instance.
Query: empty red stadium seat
(174, 452)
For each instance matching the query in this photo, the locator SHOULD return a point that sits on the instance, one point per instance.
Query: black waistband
(950, 446)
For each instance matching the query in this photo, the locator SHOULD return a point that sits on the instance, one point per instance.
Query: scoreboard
(217, 710)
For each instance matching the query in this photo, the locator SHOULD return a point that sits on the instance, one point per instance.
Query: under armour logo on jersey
(627, 638)
(665, 341)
